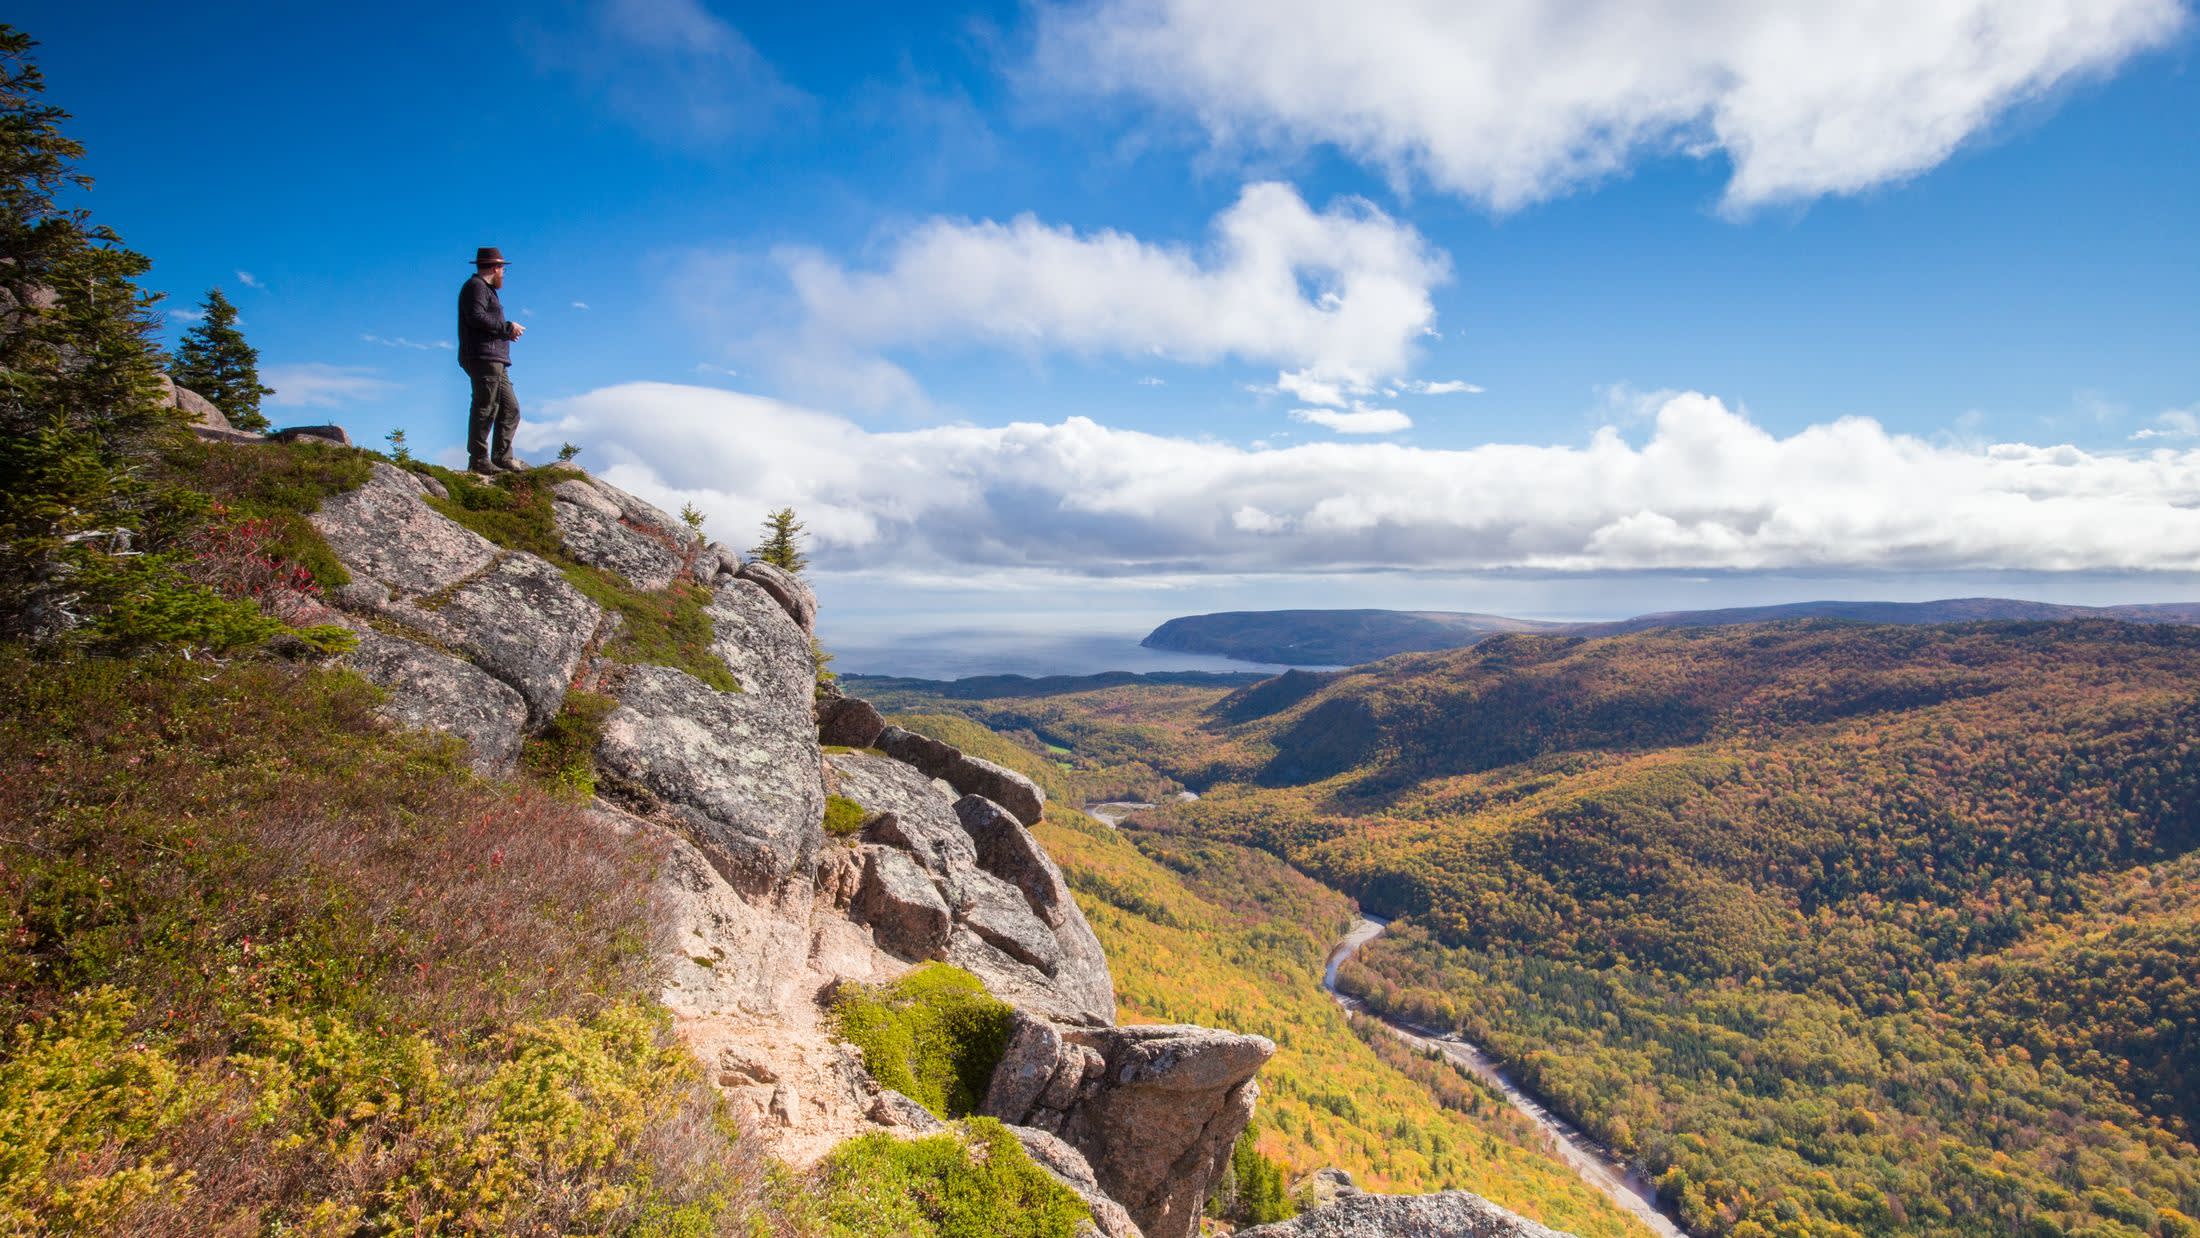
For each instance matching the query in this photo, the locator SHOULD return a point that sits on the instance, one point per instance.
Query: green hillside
(1200, 931)
(1841, 929)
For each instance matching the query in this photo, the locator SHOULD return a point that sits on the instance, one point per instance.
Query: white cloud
(1150, 381)
(580, 305)
(1313, 390)
(314, 384)
(672, 69)
(1512, 101)
(399, 341)
(1446, 387)
(187, 315)
(1705, 489)
(2176, 423)
(1341, 295)
(249, 280)
(1360, 420)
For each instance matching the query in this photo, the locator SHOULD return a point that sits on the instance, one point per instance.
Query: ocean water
(958, 652)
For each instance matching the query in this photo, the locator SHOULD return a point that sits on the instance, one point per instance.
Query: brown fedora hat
(489, 256)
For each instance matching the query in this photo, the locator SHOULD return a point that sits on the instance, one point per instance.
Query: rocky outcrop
(967, 774)
(787, 589)
(1155, 1109)
(326, 434)
(429, 689)
(849, 722)
(596, 532)
(1037, 952)
(766, 913)
(902, 906)
(461, 627)
(201, 411)
(1452, 1214)
(746, 788)
(387, 536)
(522, 622)
(1069, 1167)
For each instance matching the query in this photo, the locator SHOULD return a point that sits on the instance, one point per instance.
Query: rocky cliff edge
(771, 914)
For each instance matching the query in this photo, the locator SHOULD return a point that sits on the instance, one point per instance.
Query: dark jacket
(483, 334)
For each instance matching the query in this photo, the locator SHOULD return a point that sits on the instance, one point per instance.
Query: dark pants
(494, 406)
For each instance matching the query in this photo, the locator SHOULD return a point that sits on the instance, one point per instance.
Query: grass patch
(934, 1035)
(669, 627)
(511, 509)
(974, 1182)
(281, 483)
(563, 754)
(843, 816)
(271, 967)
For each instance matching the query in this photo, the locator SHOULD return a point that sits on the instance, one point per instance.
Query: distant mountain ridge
(1349, 637)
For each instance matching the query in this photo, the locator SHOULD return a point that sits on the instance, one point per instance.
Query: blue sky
(1672, 246)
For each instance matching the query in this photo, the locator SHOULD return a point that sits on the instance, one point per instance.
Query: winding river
(1626, 1185)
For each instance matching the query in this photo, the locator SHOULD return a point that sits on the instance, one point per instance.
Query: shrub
(275, 968)
(280, 483)
(975, 1182)
(934, 1035)
(563, 753)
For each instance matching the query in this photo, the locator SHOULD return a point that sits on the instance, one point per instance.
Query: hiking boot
(510, 465)
(483, 468)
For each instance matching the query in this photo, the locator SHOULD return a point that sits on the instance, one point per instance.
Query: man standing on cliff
(485, 353)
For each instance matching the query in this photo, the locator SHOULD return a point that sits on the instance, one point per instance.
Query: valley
(1834, 928)
(1620, 1182)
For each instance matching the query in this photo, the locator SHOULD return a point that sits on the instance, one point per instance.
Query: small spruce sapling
(214, 360)
(782, 544)
(566, 451)
(692, 516)
(398, 451)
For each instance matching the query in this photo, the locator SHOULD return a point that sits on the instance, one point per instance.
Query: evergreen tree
(80, 412)
(215, 361)
(782, 544)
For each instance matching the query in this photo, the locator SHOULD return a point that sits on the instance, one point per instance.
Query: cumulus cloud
(1515, 101)
(1360, 420)
(314, 384)
(1445, 387)
(1705, 489)
(1340, 295)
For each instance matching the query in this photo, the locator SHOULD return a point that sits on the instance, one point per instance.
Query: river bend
(1626, 1185)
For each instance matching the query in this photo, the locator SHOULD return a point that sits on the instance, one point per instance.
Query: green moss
(669, 628)
(843, 816)
(976, 1182)
(934, 1035)
(564, 752)
(512, 509)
